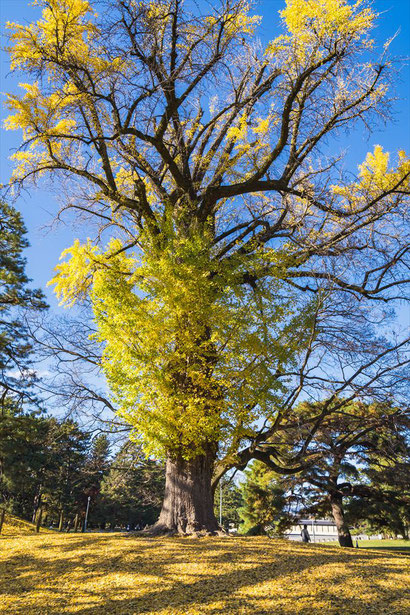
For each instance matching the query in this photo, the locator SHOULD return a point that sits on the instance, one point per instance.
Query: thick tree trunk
(345, 539)
(188, 501)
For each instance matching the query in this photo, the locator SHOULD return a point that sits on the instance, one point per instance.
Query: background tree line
(51, 466)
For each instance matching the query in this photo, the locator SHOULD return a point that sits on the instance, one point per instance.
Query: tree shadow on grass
(145, 579)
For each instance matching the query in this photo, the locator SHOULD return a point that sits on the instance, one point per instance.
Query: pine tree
(132, 490)
(64, 479)
(23, 455)
(264, 501)
(97, 464)
(358, 444)
(232, 501)
(387, 476)
(15, 349)
(96, 468)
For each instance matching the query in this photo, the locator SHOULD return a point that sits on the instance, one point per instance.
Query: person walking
(305, 534)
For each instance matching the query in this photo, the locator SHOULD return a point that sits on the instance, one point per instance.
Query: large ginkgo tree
(233, 261)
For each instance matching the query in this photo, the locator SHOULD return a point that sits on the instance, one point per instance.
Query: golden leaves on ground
(104, 574)
(13, 526)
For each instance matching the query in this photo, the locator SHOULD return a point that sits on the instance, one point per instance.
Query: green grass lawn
(387, 545)
(116, 574)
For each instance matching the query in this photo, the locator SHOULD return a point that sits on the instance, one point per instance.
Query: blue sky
(39, 206)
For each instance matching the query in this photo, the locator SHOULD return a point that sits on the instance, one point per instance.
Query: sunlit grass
(391, 545)
(101, 574)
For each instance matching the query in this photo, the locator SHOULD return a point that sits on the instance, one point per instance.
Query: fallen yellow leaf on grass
(104, 574)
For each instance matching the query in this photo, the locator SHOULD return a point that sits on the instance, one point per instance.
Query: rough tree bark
(188, 501)
(336, 502)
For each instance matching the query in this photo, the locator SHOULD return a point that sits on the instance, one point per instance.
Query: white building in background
(320, 530)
